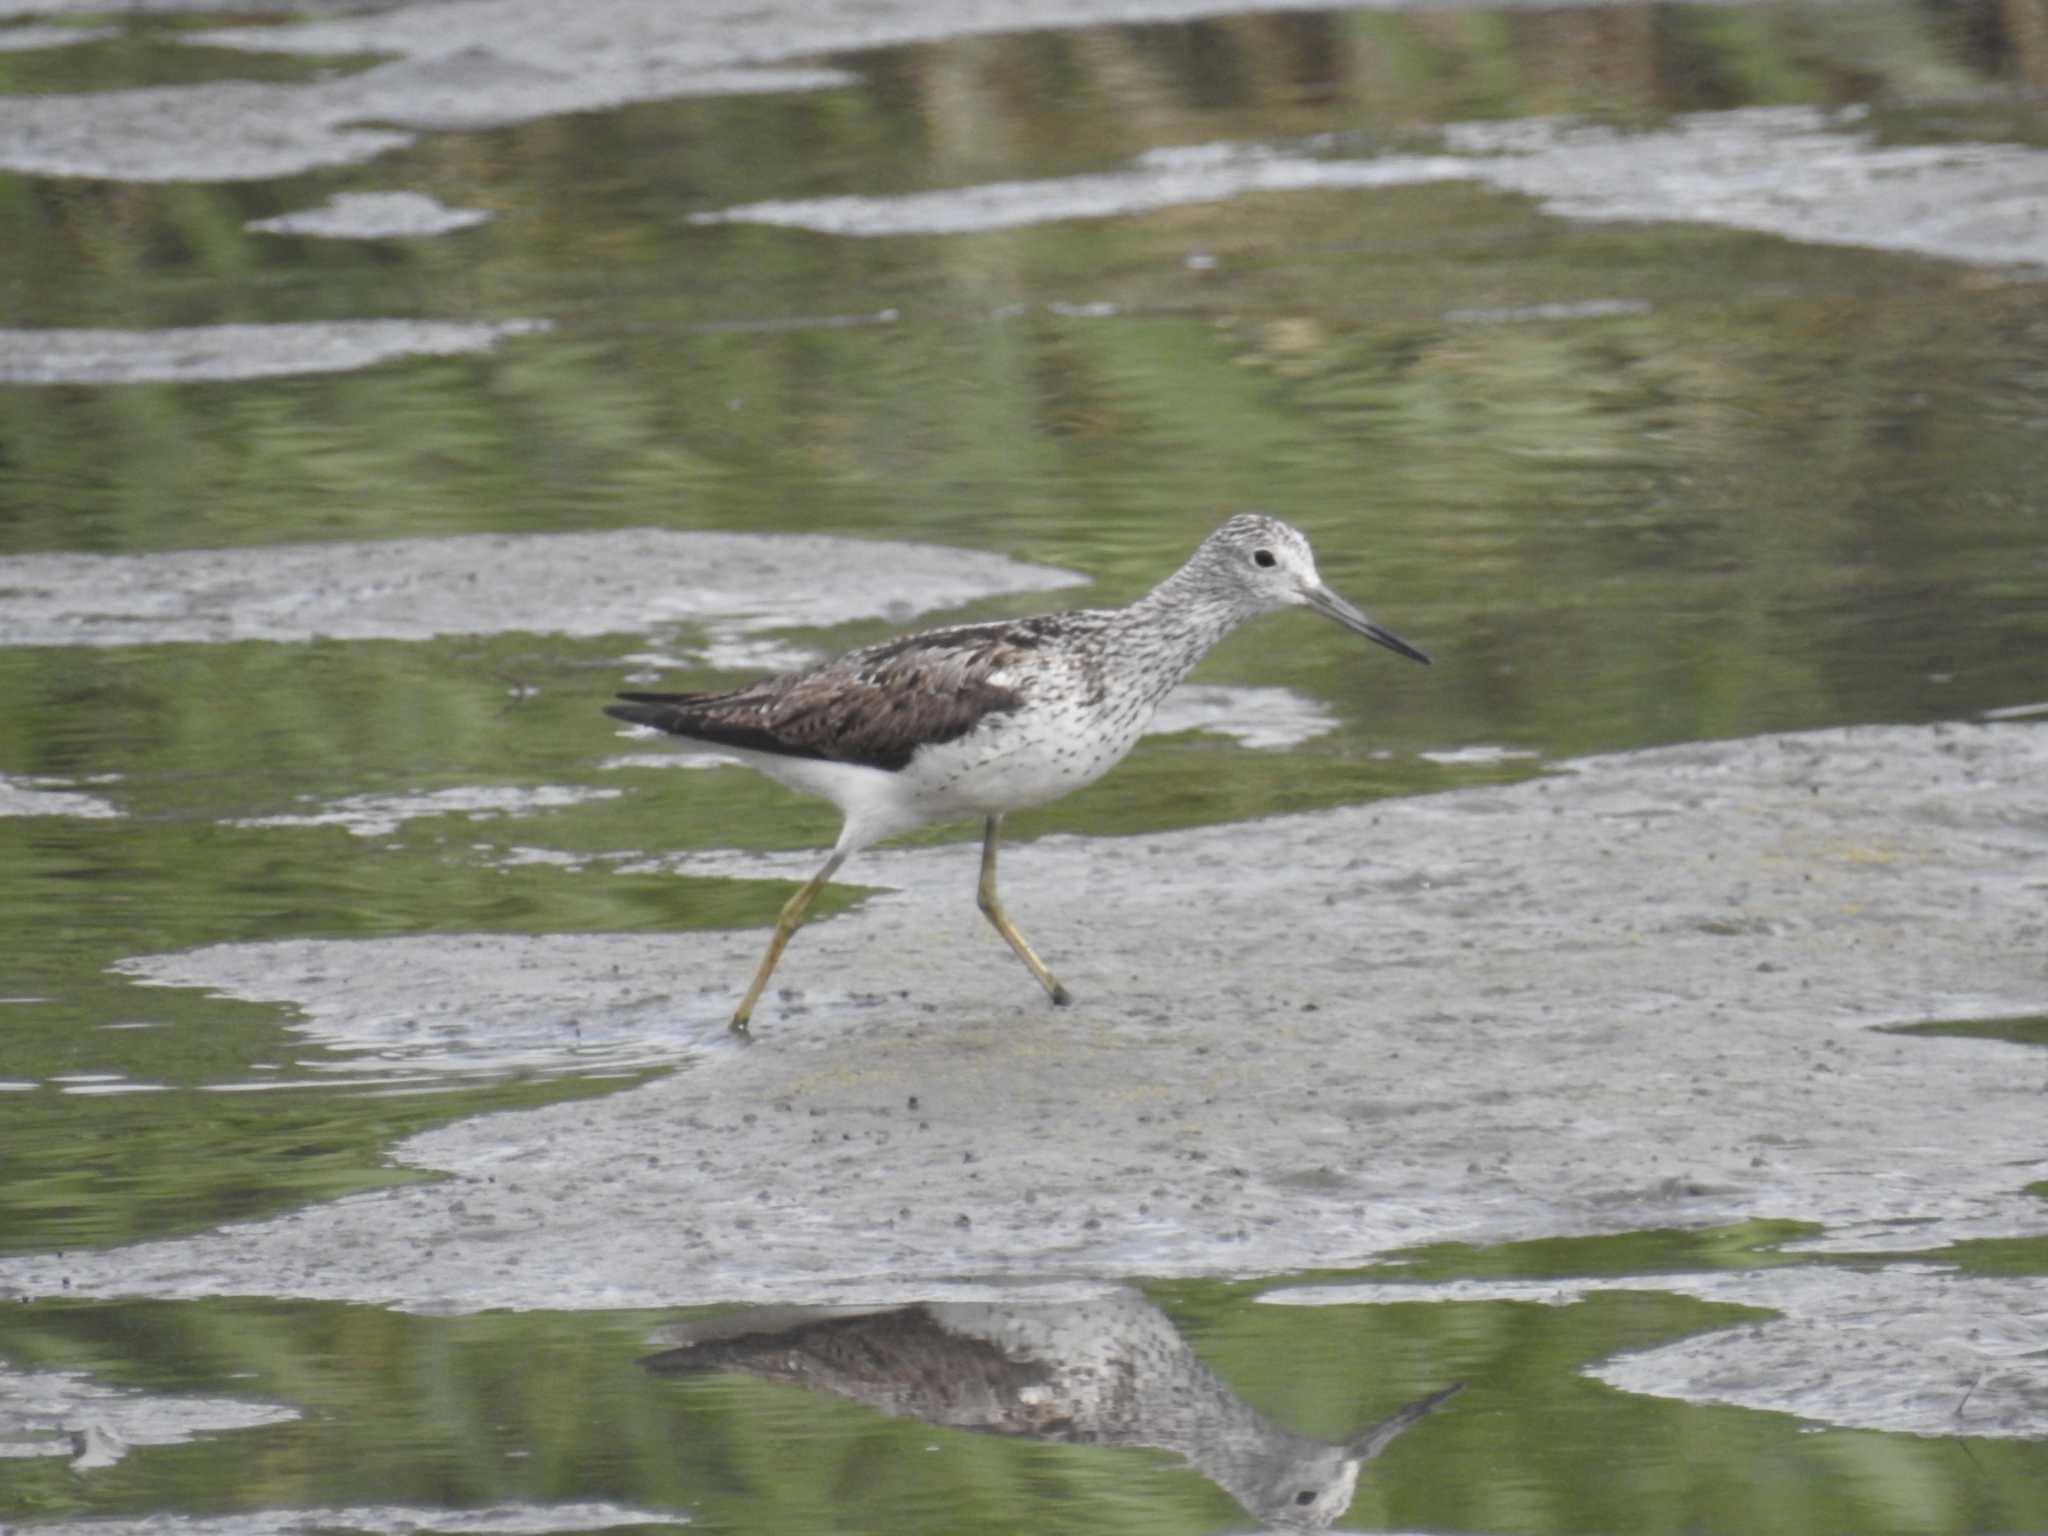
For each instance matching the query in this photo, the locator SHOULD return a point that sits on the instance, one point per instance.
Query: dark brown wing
(905, 1362)
(874, 707)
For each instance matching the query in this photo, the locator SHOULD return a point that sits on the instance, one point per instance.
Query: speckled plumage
(1110, 1371)
(983, 719)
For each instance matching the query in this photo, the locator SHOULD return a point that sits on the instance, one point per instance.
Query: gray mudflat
(732, 585)
(469, 64)
(30, 797)
(92, 1425)
(1827, 178)
(373, 216)
(1912, 1348)
(1635, 994)
(191, 354)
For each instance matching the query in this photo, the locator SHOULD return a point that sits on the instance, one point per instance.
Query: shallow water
(529, 1412)
(1755, 457)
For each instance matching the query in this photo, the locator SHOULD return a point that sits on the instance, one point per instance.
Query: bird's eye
(1307, 1496)
(1265, 558)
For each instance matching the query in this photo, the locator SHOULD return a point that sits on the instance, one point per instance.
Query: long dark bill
(1326, 602)
(1376, 1439)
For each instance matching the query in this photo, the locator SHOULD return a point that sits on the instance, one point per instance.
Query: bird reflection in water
(1110, 1371)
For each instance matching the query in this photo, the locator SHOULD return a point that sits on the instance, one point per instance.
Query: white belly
(1012, 763)
(1008, 763)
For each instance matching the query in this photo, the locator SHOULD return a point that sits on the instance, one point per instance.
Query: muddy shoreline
(1640, 992)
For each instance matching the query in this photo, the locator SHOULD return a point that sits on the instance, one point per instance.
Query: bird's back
(874, 707)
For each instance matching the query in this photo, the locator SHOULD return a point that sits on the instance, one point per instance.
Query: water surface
(1634, 479)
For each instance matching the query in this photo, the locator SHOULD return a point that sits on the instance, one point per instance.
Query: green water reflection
(1775, 486)
(471, 1411)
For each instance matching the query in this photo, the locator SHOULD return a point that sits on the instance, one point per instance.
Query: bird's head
(1270, 566)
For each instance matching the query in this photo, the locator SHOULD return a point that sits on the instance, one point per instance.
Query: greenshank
(978, 720)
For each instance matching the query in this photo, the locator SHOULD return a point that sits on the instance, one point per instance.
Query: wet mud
(1645, 991)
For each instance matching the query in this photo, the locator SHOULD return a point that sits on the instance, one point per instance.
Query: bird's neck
(1170, 629)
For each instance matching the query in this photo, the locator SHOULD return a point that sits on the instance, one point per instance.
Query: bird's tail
(663, 711)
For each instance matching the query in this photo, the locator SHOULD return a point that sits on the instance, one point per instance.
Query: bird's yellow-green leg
(992, 908)
(792, 917)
